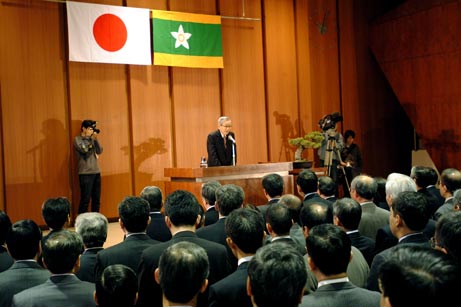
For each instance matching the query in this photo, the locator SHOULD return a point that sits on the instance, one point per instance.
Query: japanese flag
(108, 34)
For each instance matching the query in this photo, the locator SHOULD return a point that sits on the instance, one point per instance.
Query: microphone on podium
(231, 138)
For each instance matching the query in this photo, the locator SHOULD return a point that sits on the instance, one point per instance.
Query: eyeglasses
(434, 243)
(226, 126)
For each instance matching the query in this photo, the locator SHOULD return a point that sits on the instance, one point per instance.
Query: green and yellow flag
(187, 40)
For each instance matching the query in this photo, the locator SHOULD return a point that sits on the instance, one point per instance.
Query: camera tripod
(331, 149)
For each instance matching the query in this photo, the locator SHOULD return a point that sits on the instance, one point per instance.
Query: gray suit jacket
(20, 276)
(373, 218)
(58, 291)
(343, 294)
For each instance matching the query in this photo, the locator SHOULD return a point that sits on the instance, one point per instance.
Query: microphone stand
(233, 153)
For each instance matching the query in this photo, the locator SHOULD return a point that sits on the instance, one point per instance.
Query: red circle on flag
(110, 32)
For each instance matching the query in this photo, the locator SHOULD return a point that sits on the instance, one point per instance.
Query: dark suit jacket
(263, 208)
(446, 207)
(20, 276)
(5, 259)
(341, 294)
(363, 244)
(127, 252)
(315, 199)
(57, 291)
(157, 228)
(218, 155)
(211, 216)
(291, 242)
(217, 233)
(432, 201)
(86, 272)
(231, 291)
(372, 282)
(436, 193)
(150, 293)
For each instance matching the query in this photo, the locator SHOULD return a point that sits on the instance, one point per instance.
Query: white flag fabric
(108, 34)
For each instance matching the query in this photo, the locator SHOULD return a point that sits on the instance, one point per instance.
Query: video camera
(95, 129)
(329, 121)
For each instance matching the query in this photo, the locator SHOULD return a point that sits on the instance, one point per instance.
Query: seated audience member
(245, 234)
(416, 276)
(56, 213)
(457, 200)
(181, 212)
(329, 250)
(347, 214)
(363, 189)
(294, 203)
(156, 229)
(380, 197)
(450, 181)
(432, 187)
(6, 261)
(201, 218)
(422, 175)
(273, 186)
(61, 252)
(23, 242)
(447, 236)
(327, 188)
(276, 276)
(182, 274)
(307, 184)
(92, 227)
(408, 218)
(134, 218)
(118, 286)
(278, 224)
(208, 192)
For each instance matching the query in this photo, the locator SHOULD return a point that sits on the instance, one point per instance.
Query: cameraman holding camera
(88, 150)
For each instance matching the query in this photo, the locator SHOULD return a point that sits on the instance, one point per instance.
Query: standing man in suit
(156, 229)
(133, 219)
(208, 192)
(92, 227)
(450, 181)
(23, 242)
(181, 211)
(307, 184)
(245, 235)
(273, 189)
(221, 144)
(61, 252)
(329, 250)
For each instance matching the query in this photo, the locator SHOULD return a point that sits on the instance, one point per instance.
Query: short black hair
(117, 286)
(273, 184)
(154, 197)
(246, 227)
(349, 133)
(56, 212)
(182, 208)
(134, 213)
(60, 250)
(208, 191)
(327, 186)
(349, 212)
(278, 216)
(412, 207)
(5, 224)
(315, 214)
(229, 197)
(23, 240)
(307, 180)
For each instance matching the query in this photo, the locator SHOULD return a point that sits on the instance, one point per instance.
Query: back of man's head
(329, 248)
(56, 212)
(348, 212)
(245, 227)
(118, 286)
(397, 183)
(448, 234)
(327, 186)
(278, 216)
(208, 191)
(294, 203)
(273, 184)
(451, 179)
(61, 251)
(277, 276)
(228, 198)
(182, 208)
(154, 197)
(134, 213)
(92, 227)
(422, 175)
(307, 181)
(412, 207)
(315, 214)
(23, 240)
(365, 187)
(182, 272)
(417, 276)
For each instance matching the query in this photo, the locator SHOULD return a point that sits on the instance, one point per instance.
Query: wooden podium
(248, 177)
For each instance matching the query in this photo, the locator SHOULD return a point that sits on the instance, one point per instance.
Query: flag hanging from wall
(108, 34)
(187, 40)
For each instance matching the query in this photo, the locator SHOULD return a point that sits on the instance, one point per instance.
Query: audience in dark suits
(422, 175)
(450, 181)
(380, 196)
(208, 193)
(329, 250)
(182, 273)
(363, 189)
(347, 214)
(92, 227)
(134, 218)
(23, 242)
(6, 261)
(156, 229)
(229, 197)
(56, 213)
(447, 236)
(432, 187)
(276, 276)
(181, 211)
(416, 276)
(61, 251)
(408, 217)
(118, 286)
(307, 185)
(294, 203)
(245, 235)
(273, 186)
(327, 188)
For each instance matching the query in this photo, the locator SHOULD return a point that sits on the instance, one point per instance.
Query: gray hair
(223, 119)
(92, 227)
(397, 183)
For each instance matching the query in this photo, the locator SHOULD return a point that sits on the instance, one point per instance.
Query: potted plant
(311, 140)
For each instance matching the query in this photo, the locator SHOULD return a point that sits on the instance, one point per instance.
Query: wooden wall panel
(243, 94)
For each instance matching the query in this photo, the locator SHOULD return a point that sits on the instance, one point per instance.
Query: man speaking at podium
(221, 144)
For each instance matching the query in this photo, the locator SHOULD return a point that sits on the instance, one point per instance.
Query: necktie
(225, 142)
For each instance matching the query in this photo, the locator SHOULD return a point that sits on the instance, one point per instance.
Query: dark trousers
(90, 188)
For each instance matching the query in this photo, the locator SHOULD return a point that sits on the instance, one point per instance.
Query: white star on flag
(181, 38)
